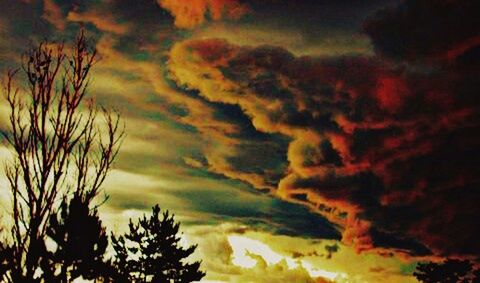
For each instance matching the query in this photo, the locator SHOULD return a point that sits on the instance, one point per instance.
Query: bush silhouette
(449, 271)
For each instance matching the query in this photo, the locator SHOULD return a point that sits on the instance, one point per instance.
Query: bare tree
(60, 146)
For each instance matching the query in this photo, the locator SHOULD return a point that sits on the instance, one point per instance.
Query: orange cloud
(104, 22)
(217, 135)
(53, 14)
(191, 13)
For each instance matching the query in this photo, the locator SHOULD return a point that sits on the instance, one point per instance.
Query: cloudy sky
(296, 141)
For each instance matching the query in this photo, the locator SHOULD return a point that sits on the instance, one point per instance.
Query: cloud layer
(385, 150)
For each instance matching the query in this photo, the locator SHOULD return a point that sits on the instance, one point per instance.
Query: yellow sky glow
(244, 247)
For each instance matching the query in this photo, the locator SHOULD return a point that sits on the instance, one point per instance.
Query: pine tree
(81, 241)
(151, 251)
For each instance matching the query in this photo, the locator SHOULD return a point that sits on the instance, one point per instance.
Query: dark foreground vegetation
(449, 271)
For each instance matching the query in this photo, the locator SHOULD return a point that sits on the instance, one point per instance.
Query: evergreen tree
(151, 252)
(81, 242)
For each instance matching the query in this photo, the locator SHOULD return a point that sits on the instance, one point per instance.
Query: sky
(296, 141)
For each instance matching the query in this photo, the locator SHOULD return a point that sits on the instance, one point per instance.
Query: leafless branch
(59, 147)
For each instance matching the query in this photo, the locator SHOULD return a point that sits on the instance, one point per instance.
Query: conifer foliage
(80, 240)
(151, 251)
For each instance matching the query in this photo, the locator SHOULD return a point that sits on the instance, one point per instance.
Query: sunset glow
(244, 248)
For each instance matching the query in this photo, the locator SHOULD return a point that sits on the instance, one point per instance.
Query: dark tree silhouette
(59, 146)
(449, 271)
(80, 240)
(151, 252)
(6, 253)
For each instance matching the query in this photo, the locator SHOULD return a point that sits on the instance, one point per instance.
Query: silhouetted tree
(80, 240)
(449, 271)
(58, 146)
(151, 251)
(5, 256)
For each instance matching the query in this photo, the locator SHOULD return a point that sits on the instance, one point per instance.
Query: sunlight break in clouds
(243, 249)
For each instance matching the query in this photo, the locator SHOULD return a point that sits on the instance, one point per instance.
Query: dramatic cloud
(384, 151)
(191, 13)
(376, 139)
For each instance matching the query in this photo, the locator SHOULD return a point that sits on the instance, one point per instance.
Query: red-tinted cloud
(387, 151)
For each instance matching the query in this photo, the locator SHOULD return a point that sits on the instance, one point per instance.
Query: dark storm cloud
(386, 151)
(256, 152)
(248, 154)
(426, 29)
(314, 16)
